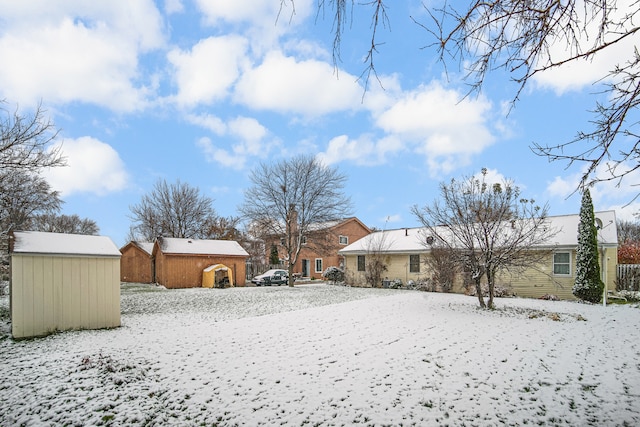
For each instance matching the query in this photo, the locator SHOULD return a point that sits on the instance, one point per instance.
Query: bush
(395, 284)
(631, 296)
(334, 275)
(427, 285)
(499, 291)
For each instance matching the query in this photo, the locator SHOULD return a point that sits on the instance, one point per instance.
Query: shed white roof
(145, 246)
(38, 242)
(172, 245)
(406, 240)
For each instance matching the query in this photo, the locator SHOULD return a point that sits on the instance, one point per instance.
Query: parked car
(271, 277)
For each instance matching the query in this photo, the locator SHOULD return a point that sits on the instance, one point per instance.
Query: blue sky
(204, 90)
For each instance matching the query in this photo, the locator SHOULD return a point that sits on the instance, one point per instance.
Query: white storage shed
(62, 282)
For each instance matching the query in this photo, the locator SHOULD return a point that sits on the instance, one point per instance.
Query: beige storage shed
(62, 282)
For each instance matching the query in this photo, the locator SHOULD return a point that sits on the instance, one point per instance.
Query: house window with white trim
(562, 263)
(343, 240)
(318, 265)
(414, 263)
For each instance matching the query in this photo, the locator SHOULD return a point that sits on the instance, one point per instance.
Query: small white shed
(63, 281)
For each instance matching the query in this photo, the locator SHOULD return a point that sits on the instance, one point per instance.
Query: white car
(271, 277)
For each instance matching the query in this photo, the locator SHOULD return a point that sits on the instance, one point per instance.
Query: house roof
(172, 245)
(146, 247)
(407, 240)
(38, 242)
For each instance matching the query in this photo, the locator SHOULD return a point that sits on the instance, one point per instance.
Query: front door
(305, 267)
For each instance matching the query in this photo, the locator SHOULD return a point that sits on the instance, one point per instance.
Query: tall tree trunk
(479, 291)
(491, 285)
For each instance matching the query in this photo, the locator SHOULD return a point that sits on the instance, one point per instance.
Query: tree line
(477, 226)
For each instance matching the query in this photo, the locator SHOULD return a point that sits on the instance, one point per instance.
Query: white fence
(628, 277)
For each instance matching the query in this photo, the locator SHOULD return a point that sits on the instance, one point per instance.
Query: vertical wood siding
(50, 293)
(185, 271)
(135, 265)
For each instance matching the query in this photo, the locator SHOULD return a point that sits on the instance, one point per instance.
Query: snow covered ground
(329, 355)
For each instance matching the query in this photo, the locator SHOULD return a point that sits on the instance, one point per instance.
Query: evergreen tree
(588, 285)
(274, 258)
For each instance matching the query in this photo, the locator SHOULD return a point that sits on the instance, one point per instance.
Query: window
(361, 263)
(414, 263)
(562, 263)
(343, 240)
(318, 265)
(303, 240)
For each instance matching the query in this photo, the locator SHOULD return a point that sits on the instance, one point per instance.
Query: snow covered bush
(334, 275)
(426, 285)
(499, 291)
(631, 296)
(395, 284)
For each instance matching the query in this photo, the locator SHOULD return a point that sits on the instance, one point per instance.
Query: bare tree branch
(519, 36)
(25, 141)
(291, 199)
(487, 228)
(172, 210)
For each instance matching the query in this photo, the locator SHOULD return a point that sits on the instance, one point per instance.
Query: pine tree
(588, 285)
(274, 258)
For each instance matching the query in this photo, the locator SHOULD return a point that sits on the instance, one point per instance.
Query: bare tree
(526, 38)
(172, 210)
(22, 196)
(522, 36)
(25, 141)
(71, 224)
(224, 228)
(488, 227)
(377, 250)
(628, 231)
(442, 262)
(291, 198)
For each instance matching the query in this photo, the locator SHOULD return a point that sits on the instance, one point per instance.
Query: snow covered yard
(329, 355)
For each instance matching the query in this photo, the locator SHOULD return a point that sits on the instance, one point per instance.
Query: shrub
(395, 284)
(334, 275)
(499, 291)
(426, 285)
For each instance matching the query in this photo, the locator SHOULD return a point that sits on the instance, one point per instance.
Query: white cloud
(441, 124)
(173, 6)
(261, 21)
(92, 167)
(309, 87)
(492, 176)
(362, 151)
(88, 49)
(208, 121)
(251, 141)
(578, 74)
(206, 73)
(606, 195)
(262, 13)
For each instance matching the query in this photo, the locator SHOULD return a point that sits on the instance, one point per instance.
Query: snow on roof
(38, 242)
(172, 245)
(145, 246)
(405, 240)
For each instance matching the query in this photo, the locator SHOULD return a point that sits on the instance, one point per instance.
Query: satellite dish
(430, 240)
(598, 223)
